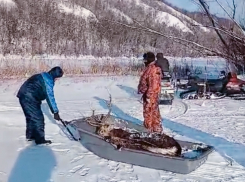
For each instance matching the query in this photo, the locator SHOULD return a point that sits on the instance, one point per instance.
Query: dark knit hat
(150, 56)
(159, 55)
(56, 72)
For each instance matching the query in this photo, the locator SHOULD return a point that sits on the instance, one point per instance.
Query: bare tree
(233, 39)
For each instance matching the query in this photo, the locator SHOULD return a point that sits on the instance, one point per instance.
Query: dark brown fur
(125, 139)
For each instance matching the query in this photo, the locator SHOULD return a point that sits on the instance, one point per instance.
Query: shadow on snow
(34, 164)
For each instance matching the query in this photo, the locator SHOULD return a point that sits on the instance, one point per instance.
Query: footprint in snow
(84, 172)
(55, 148)
(103, 162)
(3, 173)
(9, 108)
(185, 180)
(75, 169)
(113, 163)
(22, 137)
(56, 144)
(103, 177)
(61, 173)
(113, 166)
(61, 150)
(128, 168)
(77, 159)
(114, 180)
(23, 143)
(114, 169)
(166, 178)
(135, 178)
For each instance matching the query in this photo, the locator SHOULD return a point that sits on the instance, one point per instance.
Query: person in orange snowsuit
(150, 87)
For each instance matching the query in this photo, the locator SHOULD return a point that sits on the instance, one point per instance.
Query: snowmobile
(167, 90)
(225, 86)
(235, 88)
(202, 91)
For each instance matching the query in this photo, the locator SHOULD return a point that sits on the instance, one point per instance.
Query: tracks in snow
(178, 109)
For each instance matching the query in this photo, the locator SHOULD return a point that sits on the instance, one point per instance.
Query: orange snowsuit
(150, 87)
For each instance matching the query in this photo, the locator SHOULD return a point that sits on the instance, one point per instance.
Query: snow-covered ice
(219, 123)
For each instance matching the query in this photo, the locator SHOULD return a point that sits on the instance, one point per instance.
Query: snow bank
(77, 11)
(171, 21)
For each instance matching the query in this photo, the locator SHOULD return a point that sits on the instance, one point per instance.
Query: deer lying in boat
(106, 127)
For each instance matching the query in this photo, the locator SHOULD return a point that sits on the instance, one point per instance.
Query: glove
(145, 99)
(57, 116)
(148, 101)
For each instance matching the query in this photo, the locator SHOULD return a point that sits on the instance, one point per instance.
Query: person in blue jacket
(31, 94)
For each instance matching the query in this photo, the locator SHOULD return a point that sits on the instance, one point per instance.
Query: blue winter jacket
(40, 87)
(49, 85)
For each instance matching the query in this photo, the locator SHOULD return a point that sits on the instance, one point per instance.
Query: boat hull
(103, 149)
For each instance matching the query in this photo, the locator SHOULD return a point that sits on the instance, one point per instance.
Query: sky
(191, 5)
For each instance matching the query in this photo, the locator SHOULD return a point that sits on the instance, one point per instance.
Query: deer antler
(92, 108)
(109, 105)
(92, 120)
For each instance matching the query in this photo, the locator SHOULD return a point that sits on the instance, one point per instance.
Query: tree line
(39, 27)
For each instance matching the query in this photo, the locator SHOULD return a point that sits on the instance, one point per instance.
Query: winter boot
(43, 141)
(30, 139)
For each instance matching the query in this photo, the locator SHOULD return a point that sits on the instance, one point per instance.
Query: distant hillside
(80, 27)
(201, 18)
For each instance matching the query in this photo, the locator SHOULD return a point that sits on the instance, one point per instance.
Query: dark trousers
(34, 119)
